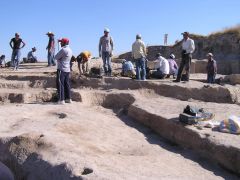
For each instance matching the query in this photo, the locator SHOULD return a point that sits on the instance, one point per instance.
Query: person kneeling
(83, 60)
(162, 67)
(32, 58)
(128, 69)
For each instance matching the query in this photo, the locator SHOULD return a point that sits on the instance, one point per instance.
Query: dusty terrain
(99, 136)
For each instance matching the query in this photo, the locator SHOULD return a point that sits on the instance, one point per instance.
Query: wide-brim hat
(49, 33)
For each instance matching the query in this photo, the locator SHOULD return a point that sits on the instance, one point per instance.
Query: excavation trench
(22, 154)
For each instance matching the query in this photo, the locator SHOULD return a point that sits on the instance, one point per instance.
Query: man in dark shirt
(15, 44)
(51, 49)
(211, 69)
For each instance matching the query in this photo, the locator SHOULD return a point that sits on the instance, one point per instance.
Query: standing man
(15, 44)
(211, 69)
(139, 54)
(51, 49)
(106, 51)
(63, 58)
(188, 48)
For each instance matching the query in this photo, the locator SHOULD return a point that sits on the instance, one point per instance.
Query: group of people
(165, 68)
(65, 59)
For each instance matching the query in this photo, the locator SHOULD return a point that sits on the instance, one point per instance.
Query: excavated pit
(155, 104)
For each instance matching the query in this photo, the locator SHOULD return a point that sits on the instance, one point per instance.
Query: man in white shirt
(63, 58)
(162, 67)
(188, 48)
(139, 54)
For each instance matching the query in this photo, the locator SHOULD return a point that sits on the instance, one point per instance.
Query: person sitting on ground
(162, 67)
(211, 69)
(173, 67)
(32, 58)
(2, 61)
(83, 59)
(128, 69)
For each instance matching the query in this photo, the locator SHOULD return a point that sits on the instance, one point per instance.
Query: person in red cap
(63, 58)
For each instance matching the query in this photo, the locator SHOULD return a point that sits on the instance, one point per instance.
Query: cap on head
(106, 30)
(209, 55)
(17, 34)
(50, 33)
(172, 56)
(138, 36)
(64, 40)
(185, 33)
(34, 48)
(158, 55)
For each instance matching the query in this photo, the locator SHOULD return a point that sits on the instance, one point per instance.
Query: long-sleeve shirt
(212, 67)
(172, 66)
(162, 65)
(63, 58)
(105, 44)
(127, 66)
(139, 49)
(188, 45)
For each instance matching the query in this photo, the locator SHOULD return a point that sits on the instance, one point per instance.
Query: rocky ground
(101, 135)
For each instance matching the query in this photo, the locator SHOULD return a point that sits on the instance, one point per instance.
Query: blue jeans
(63, 85)
(107, 62)
(15, 58)
(51, 56)
(141, 68)
(211, 78)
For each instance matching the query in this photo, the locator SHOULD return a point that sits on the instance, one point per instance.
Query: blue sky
(83, 21)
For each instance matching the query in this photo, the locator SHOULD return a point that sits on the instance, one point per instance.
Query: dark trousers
(211, 78)
(63, 85)
(159, 75)
(186, 62)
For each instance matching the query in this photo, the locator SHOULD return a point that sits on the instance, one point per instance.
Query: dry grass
(228, 30)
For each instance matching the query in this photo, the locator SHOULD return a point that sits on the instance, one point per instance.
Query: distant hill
(225, 45)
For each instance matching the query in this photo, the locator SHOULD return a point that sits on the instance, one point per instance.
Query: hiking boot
(68, 101)
(61, 102)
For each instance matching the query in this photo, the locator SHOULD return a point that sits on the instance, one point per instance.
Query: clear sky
(83, 21)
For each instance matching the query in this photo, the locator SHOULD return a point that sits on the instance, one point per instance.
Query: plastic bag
(230, 125)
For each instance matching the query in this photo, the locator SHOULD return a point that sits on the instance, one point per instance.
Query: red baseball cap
(64, 40)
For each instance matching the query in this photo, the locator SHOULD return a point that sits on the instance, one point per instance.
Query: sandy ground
(114, 147)
(94, 137)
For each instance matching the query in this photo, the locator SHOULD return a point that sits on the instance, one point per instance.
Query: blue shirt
(127, 66)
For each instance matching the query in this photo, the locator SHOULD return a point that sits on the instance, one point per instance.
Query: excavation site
(115, 128)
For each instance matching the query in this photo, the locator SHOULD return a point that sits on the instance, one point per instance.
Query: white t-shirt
(162, 64)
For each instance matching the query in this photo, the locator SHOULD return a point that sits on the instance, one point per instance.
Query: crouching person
(128, 69)
(63, 58)
(173, 67)
(83, 60)
(162, 67)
